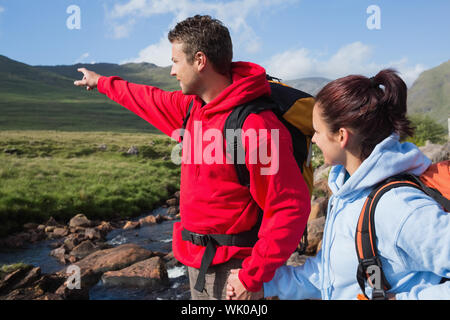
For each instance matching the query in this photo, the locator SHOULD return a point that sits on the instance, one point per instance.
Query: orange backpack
(435, 182)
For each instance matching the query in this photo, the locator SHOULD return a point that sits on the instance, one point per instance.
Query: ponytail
(373, 107)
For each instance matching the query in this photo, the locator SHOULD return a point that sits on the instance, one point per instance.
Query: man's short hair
(210, 36)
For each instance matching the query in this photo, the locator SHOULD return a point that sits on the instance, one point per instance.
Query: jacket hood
(389, 157)
(249, 82)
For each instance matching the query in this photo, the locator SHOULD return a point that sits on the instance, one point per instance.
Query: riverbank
(104, 175)
(130, 260)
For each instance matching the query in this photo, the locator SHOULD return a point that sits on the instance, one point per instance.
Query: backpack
(435, 182)
(294, 109)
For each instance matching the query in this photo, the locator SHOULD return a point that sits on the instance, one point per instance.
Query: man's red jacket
(211, 198)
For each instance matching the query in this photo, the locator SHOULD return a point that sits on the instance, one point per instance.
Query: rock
(318, 208)
(36, 236)
(95, 264)
(50, 282)
(315, 234)
(49, 229)
(171, 261)
(436, 152)
(172, 202)
(173, 211)
(29, 278)
(150, 273)
(71, 242)
(133, 150)
(49, 296)
(41, 227)
(104, 228)
(80, 220)
(59, 253)
(51, 222)
(321, 173)
(72, 294)
(30, 226)
(131, 225)
(14, 277)
(296, 260)
(84, 249)
(92, 234)
(147, 220)
(16, 240)
(31, 293)
(60, 232)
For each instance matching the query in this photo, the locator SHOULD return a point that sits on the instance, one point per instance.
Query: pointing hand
(90, 79)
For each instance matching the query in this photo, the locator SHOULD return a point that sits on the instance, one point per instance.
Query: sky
(290, 38)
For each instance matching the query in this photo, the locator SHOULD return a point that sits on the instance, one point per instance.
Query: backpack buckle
(378, 294)
(199, 239)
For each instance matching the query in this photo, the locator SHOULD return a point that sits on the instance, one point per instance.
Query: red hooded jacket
(211, 198)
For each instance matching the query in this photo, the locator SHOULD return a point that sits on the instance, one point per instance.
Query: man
(212, 201)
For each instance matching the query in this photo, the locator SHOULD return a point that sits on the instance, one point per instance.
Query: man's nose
(172, 71)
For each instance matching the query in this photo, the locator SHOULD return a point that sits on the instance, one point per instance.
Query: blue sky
(290, 38)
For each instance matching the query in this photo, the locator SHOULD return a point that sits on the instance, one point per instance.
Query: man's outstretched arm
(164, 110)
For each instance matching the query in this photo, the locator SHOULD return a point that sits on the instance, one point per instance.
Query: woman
(358, 122)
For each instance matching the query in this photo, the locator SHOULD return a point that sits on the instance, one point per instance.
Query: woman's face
(327, 141)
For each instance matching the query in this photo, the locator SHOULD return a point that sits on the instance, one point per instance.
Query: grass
(60, 174)
(8, 268)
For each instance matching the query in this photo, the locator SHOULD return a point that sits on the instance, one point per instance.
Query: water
(156, 237)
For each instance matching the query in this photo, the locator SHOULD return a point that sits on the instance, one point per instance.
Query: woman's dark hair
(210, 36)
(361, 104)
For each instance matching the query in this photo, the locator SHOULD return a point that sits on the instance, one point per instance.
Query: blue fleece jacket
(413, 234)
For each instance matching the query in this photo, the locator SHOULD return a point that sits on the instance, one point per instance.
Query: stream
(157, 237)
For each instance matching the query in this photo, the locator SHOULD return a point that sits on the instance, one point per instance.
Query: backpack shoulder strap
(185, 120)
(233, 125)
(370, 268)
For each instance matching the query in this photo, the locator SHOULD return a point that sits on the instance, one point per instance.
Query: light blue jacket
(413, 235)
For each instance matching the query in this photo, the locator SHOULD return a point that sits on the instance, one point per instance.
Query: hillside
(430, 94)
(308, 85)
(44, 97)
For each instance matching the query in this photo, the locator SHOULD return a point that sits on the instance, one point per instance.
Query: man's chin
(186, 91)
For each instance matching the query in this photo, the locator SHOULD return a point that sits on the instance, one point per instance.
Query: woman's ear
(344, 137)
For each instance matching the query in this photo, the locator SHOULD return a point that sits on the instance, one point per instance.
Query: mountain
(430, 94)
(44, 97)
(308, 85)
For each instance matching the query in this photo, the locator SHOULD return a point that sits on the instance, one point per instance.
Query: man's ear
(201, 60)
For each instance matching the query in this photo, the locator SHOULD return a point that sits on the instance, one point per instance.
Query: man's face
(185, 72)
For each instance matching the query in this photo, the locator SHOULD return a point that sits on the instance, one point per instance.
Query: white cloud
(82, 58)
(353, 58)
(159, 53)
(234, 14)
(2, 9)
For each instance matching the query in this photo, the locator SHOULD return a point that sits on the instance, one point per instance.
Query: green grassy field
(60, 174)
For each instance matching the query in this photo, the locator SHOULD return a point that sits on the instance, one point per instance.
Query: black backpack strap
(365, 239)
(235, 122)
(185, 120)
(211, 241)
